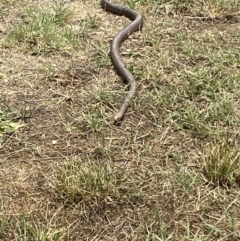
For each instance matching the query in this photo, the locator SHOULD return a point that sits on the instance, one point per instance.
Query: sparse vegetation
(170, 171)
(92, 183)
(42, 31)
(221, 164)
(6, 125)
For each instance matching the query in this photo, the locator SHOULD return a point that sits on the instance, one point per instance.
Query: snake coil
(127, 76)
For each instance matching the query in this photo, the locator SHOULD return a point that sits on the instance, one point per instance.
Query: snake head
(118, 117)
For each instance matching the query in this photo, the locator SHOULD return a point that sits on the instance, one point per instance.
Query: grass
(8, 126)
(170, 171)
(92, 183)
(221, 164)
(26, 229)
(42, 31)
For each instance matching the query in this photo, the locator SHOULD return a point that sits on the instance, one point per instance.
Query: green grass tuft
(44, 31)
(93, 183)
(221, 164)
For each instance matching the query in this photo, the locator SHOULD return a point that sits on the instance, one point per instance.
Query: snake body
(127, 76)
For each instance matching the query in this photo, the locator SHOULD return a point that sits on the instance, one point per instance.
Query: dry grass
(170, 171)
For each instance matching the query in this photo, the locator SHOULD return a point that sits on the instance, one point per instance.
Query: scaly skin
(115, 51)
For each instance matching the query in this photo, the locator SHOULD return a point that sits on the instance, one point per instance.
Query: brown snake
(115, 50)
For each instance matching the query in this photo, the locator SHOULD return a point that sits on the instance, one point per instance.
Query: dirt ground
(170, 171)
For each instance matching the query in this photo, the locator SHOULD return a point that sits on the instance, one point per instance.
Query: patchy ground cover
(170, 171)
